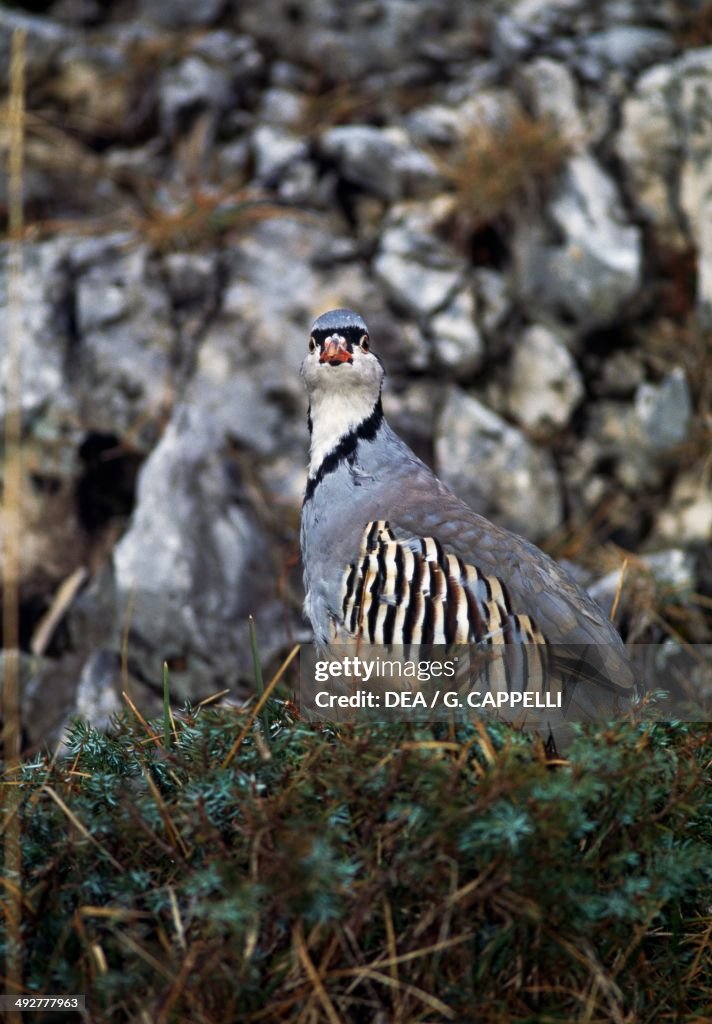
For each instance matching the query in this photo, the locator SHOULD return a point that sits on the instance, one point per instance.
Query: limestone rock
(545, 383)
(380, 160)
(550, 89)
(172, 13)
(664, 411)
(664, 146)
(596, 268)
(456, 340)
(687, 517)
(193, 564)
(126, 350)
(418, 271)
(493, 467)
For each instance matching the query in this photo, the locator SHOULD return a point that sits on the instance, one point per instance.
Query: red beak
(335, 351)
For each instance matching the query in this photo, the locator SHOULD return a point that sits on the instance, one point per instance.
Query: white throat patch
(335, 414)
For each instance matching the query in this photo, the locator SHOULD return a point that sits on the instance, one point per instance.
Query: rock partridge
(391, 556)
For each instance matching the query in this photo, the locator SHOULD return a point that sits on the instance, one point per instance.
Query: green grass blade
(166, 708)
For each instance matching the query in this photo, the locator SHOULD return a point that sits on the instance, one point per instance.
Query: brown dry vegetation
(501, 166)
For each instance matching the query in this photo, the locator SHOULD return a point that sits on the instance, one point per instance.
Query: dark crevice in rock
(65, 317)
(603, 341)
(31, 610)
(45, 483)
(106, 488)
(676, 273)
(637, 526)
(294, 13)
(488, 248)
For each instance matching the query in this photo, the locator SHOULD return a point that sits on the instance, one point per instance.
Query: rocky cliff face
(517, 196)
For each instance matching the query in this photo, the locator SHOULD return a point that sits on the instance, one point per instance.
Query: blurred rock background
(517, 195)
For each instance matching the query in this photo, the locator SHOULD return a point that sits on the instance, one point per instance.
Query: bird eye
(312, 344)
(365, 347)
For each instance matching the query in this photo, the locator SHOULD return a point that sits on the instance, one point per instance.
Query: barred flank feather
(403, 592)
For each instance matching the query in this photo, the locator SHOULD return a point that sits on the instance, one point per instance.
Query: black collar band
(346, 448)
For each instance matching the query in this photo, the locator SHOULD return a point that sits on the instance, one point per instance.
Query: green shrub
(370, 873)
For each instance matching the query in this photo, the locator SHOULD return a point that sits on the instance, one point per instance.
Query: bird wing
(535, 582)
(403, 589)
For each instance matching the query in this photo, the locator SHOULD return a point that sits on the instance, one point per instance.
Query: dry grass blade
(113, 913)
(260, 704)
(702, 954)
(403, 958)
(213, 697)
(177, 921)
(393, 958)
(431, 1001)
(11, 527)
(152, 736)
(174, 836)
(144, 955)
(485, 743)
(12, 470)
(125, 632)
(619, 590)
(599, 981)
(313, 974)
(177, 988)
(16, 894)
(80, 827)
(61, 602)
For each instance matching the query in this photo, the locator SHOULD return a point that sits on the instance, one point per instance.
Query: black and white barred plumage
(413, 592)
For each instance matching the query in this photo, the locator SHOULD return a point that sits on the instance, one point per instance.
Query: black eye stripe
(352, 336)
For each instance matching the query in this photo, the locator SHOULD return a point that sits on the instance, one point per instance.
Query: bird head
(339, 359)
(344, 380)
